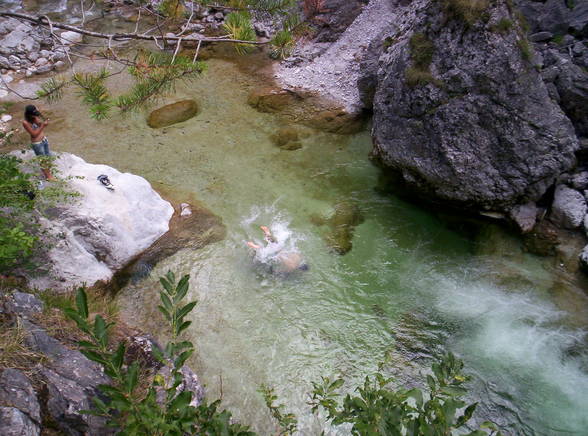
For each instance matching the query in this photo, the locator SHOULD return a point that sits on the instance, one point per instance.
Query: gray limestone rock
(16, 391)
(66, 399)
(4, 62)
(13, 422)
(335, 16)
(541, 36)
(525, 216)
(23, 304)
(20, 41)
(579, 181)
(584, 258)
(476, 138)
(190, 383)
(568, 208)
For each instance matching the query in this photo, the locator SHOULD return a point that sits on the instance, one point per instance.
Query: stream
(413, 286)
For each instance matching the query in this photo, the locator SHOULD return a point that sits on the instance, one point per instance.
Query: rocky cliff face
(461, 114)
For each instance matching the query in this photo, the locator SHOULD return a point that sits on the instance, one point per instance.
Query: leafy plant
(503, 26)
(287, 421)
(422, 50)
(378, 410)
(125, 406)
(21, 201)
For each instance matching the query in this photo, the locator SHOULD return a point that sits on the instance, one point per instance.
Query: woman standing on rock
(34, 124)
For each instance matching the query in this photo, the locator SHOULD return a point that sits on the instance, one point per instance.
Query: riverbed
(413, 287)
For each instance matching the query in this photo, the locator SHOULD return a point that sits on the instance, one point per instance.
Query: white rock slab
(102, 230)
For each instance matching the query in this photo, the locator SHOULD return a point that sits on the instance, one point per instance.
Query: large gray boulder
(568, 208)
(484, 133)
(99, 232)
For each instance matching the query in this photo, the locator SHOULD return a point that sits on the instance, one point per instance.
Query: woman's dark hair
(31, 112)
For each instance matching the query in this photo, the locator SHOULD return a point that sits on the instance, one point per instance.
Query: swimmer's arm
(253, 245)
(32, 131)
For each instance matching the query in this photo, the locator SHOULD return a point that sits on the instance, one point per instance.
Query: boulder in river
(172, 113)
(475, 138)
(101, 230)
(271, 99)
(341, 223)
(286, 138)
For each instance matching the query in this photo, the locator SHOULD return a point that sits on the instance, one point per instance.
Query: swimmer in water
(287, 261)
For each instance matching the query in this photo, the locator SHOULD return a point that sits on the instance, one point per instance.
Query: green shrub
(525, 48)
(421, 54)
(380, 410)
(466, 11)
(503, 26)
(135, 413)
(558, 39)
(421, 51)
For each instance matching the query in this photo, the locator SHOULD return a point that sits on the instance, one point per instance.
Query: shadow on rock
(194, 228)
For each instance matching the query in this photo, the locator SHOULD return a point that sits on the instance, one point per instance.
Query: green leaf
(454, 391)
(82, 303)
(166, 314)
(118, 356)
(431, 382)
(166, 301)
(132, 377)
(489, 425)
(467, 415)
(100, 330)
(184, 326)
(417, 395)
(179, 362)
(94, 356)
(336, 385)
(182, 289)
(185, 310)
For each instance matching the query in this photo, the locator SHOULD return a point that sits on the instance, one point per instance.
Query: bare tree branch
(44, 21)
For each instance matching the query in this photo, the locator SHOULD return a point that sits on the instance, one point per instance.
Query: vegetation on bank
(422, 50)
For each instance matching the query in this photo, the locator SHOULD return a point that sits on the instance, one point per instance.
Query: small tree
(135, 413)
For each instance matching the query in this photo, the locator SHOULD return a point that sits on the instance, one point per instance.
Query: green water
(411, 286)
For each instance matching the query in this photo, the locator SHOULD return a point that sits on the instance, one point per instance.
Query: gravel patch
(334, 72)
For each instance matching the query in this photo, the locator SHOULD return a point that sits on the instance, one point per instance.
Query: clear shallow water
(411, 286)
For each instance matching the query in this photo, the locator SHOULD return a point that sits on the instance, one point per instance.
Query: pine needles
(94, 93)
(238, 25)
(156, 74)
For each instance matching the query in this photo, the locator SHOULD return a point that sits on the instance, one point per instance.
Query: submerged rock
(286, 138)
(341, 223)
(271, 99)
(172, 113)
(101, 230)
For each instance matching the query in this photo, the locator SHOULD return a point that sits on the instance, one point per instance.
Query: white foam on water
(522, 341)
